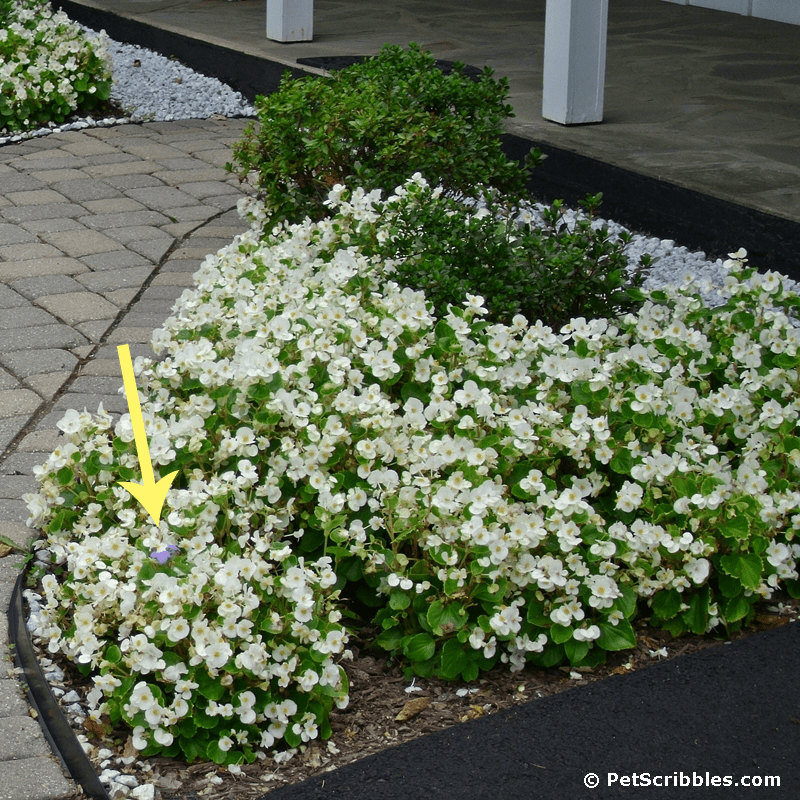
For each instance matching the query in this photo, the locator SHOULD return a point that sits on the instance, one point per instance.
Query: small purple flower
(162, 556)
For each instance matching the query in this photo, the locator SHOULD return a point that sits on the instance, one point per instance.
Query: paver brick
(119, 259)
(10, 298)
(154, 249)
(82, 243)
(167, 126)
(113, 205)
(18, 402)
(49, 160)
(35, 197)
(32, 288)
(21, 737)
(129, 335)
(108, 351)
(27, 251)
(98, 384)
(132, 181)
(44, 337)
(201, 245)
(109, 158)
(135, 233)
(121, 298)
(13, 270)
(13, 487)
(17, 531)
(25, 318)
(77, 307)
(204, 189)
(82, 351)
(95, 329)
(47, 386)
(217, 158)
(44, 211)
(123, 168)
(152, 151)
(34, 362)
(102, 367)
(112, 279)
(173, 279)
(13, 234)
(126, 219)
(146, 317)
(14, 181)
(88, 147)
(162, 197)
(83, 189)
(113, 403)
(180, 164)
(52, 225)
(10, 428)
(38, 778)
(224, 202)
(13, 510)
(55, 176)
(7, 380)
(191, 143)
(180, 229)
(40, 441)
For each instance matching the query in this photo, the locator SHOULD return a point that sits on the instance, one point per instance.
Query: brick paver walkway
(100, 232)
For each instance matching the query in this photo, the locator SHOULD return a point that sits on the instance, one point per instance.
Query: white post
(290, 20)
(574, 60)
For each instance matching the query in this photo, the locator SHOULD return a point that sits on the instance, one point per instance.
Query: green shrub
(521, 262)
(373, 125)
(49, 68)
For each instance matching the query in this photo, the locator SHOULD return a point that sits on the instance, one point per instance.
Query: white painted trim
(574, 60)
(290, 20)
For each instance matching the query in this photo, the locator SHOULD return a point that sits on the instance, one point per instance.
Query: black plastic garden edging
(54, 724)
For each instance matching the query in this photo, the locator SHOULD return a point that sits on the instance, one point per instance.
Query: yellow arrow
(149, 493)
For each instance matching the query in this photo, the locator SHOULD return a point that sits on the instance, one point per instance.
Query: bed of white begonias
(49, 66)
(507, 492)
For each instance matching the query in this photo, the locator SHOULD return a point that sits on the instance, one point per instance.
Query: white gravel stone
(144, 792)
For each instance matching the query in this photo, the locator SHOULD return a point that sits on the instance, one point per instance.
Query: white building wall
(778, 10)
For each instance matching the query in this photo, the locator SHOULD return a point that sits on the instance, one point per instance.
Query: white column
(290, 20)
(574, 60)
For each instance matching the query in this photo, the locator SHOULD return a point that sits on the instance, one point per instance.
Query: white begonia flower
(587, 633)
(629, 496)
(697, 569)
(71, 422)
(138, 740)
(777, 553)
(178, 629)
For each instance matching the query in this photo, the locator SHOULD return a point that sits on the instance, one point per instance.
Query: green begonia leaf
(747, 567)
(736, 608)
(738, 527)
(667, 603)
(420, 647)
(616, 637)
